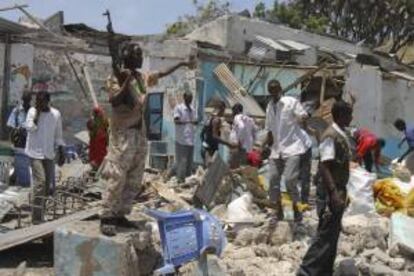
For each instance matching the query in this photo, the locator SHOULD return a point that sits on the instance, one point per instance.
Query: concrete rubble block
(245, 237)
(347, 267)
(381, 270)
(409, 265)
(293, 252)
(363, 267)
(80, 250)
(242, 253)
(345, 248)
(397, 263)
(370, 238)
(213, 267)
(262, 250)
(400, 243)
(219, 211)
(282, 234)
(381, 256)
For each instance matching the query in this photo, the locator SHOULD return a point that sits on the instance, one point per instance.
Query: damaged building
(236, 57)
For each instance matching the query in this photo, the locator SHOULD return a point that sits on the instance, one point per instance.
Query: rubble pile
(257, 248)
(254, 246)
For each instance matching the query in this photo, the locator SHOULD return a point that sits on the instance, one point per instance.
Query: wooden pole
(304, 77)
(90, 86)
(6, 86)
(323, 88)
(13, 7)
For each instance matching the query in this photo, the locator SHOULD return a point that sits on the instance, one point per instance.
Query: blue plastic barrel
(22, 169)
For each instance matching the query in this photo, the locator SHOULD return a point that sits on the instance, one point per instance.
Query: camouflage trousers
(123, 171)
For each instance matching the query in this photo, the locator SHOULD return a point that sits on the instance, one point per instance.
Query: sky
(128, 16)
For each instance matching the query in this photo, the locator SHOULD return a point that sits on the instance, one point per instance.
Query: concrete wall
(231, 32)
(2, 53)
(21, 61)
(52, 72)
(379, 102)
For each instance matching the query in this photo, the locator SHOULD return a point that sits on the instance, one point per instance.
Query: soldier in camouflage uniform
(124, 164)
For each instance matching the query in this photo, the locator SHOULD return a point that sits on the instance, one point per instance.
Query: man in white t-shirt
(284, 118)
(243, 134)
(185, 119)
(44, 136)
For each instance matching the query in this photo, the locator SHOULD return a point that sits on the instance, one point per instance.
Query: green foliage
(260, 10)
(372, 21)
(206, 11)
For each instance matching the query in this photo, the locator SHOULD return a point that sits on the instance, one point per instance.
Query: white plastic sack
(405, 187)
(240, 209)
(401, 238)
(360, 192)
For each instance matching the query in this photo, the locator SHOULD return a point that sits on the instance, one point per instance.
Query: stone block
(347, 267)
(81, 250)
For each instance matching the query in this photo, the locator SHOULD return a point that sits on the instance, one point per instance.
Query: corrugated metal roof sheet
(257, 52)
(294, 45)
(10, 27)
(271, 43)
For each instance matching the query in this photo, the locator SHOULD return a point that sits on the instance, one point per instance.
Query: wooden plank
(21, 236)
(13, 7)
(212, 180)
(169, 194)
(90, 86)
(304, 77)
(226, 77)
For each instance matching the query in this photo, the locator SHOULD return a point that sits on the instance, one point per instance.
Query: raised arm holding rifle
(124, 164)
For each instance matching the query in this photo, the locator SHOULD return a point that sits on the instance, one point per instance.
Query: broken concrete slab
(397, 263)
(380, 270)
(80, 249)
(282, 234)
(399, 241)
(212, 180)
(347, 267)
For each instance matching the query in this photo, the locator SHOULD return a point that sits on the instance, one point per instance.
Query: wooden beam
(24, 235)
(323, 89)
(90, 86)
(6, 87)
(13, 7)
(304, 77)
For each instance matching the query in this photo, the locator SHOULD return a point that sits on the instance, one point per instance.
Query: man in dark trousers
(124, 165)
(335, 157)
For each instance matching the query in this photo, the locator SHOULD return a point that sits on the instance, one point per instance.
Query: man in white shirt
(44, 127)
(243, 134)
(185, 119)
(288, 141)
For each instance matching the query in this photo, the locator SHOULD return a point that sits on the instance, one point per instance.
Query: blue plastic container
(185, 235)
(22, 169)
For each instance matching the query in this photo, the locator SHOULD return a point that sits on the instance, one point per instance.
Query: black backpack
(18, 134)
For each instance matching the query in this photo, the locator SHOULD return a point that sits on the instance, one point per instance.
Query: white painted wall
(21, 70)
(379, 102)
(365, 83)
(233, 31)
